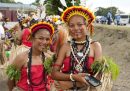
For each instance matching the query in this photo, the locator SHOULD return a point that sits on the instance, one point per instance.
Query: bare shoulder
(20, 59)
(63, 50)
(95, 44)
(97, 49)
(65, 46)
(62, 53)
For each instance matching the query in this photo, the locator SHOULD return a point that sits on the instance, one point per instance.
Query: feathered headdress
(42, 25)
(79, 10)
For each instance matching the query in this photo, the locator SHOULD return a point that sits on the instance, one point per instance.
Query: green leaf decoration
(113, 67)
(52, 6)
(107, 65)
(13, 73)
(48, 64)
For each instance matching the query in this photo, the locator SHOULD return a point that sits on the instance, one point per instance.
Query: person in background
(2, 38)
(5, 23)
(2, 32)
(25, 37)
(76, 56)
(59, 38)
(30, 64)
(23, 43)
(118, 19)
(109, 18)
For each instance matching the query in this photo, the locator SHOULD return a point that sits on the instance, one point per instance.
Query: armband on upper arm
(56, 65)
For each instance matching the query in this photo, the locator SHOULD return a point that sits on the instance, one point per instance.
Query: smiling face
(41, 39)
(77, 27)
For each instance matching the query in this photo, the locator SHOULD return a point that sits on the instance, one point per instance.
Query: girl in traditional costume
(28, 68)
(22, 43)
(76, 57)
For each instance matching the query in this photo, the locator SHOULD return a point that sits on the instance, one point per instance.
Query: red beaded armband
(56, 65)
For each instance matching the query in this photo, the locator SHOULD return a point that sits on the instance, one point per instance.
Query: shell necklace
(78, 66)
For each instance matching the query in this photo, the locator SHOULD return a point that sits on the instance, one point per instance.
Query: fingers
(48, 53)
(81, 78)
(57, 85)
(85, 81)
(84, 74)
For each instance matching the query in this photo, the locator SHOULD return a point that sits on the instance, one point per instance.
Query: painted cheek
(82, 28)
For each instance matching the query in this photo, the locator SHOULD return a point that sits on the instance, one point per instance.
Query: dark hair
(29, 71)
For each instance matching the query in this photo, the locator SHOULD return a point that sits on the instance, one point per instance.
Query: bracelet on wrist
(71, 78)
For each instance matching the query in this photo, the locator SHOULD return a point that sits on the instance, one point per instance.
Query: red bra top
(37, 75)
(66, 64)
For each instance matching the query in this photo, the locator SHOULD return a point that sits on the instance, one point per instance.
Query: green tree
(37, 2)
(7, 1)
(113, 10)
(52, 6)
(103, 11)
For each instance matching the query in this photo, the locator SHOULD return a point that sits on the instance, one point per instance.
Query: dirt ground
(115, 43)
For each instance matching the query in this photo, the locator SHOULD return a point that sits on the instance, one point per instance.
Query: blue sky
(123, 5)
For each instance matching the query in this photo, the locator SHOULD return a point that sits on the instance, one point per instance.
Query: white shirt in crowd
(2, 32)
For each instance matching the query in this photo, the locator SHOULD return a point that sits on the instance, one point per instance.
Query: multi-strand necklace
(29, 78)
(80, 56)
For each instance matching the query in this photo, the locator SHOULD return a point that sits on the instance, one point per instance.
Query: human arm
(56, 74)
(11, 84)
(97, 50)
(13, 71)
(97, 55)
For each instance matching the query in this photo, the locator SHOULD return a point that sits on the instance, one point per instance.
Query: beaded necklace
(79, 58)
(80, 42)
(29, 79)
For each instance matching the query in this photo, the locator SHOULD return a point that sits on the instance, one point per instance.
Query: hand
(57, 84)
(80, 78)
(49, 54)
(63, 85)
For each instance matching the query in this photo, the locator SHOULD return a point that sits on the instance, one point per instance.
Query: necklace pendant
(79, 68)
(80, 54)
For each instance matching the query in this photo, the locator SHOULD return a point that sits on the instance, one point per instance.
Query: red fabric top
(25, 37)
(36, 71)
(66, 64)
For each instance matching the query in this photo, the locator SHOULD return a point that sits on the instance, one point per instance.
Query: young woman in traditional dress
(30, 64)
(76, 57)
